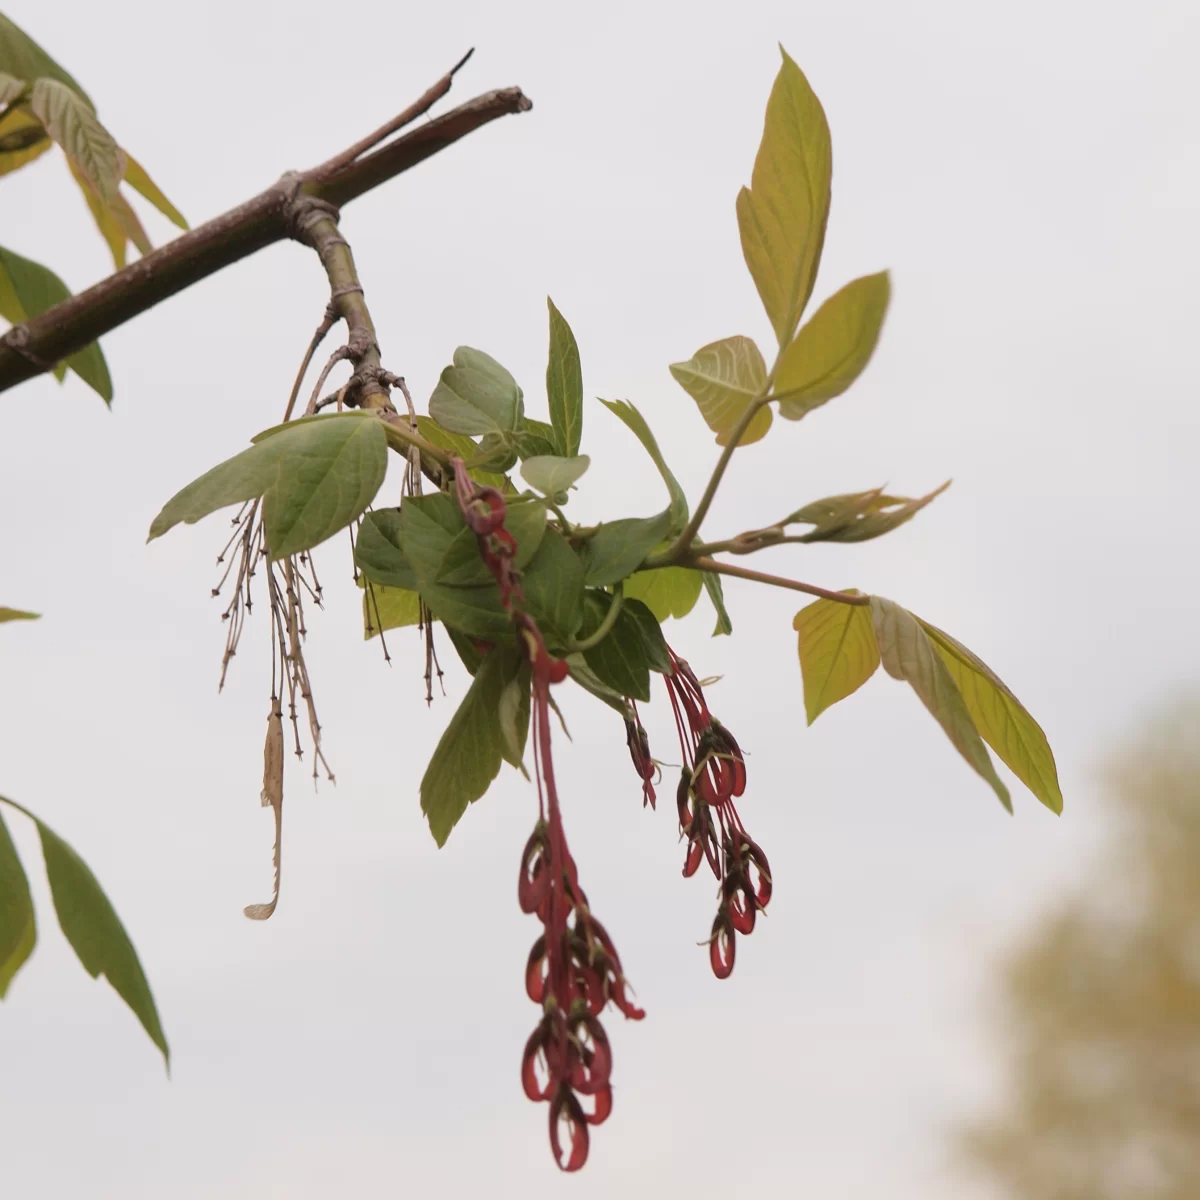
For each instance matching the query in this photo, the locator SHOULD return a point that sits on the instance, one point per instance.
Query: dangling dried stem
(371, 600)
(328, 321)
(431, 658)
(300, 669)
(249, 534)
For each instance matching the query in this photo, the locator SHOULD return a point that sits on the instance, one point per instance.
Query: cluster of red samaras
(574, 970)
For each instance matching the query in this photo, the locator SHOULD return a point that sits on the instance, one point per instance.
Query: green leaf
(461, 446)
(95, 931)
(21, 56)
(330, 472)
(528, 443)
(587, 679)
(833, 349)
(540, 430)
(314, 479)
(463, 566)
(837, 650)
(136, 177)
(666, 591)
(782, 214)
(476, 395)
(514, 717)
(552, 475)
(28, 289)
(860, 516)
(467, 650)
(637, 423)
(619, 660)
(564, 385)
(724, 378)
(1001, 718)
(498, 452)
(17, 614)
(426, 528)
(378, 554)
(908, 655)
(553, 588)
(654, 645)
(70, 121)
(619, 547)
(387, 608)
(470, 752)
(18, 928)
(716, 593)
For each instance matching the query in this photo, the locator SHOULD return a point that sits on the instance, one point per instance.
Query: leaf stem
(568, 530)
(605, 626)
(682, 544)
(703, 563)
(401, 438)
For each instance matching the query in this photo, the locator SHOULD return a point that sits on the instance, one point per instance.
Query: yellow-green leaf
(18, 929)
(106, 220)
(908, 654)
(136, 177)
(10, 88)
(837, 650)
(782, 214)
(666, 591)
(464, 447)
(131, 223)
(1001, 718)
(69, 120)
(22, 139)
(387, 608)
(833, 348)
(16, 614)
(860, 516)
(724, 378)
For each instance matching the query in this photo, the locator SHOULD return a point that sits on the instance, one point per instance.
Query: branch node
(301, 211)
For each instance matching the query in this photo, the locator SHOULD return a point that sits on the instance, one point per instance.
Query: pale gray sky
(1030, 173)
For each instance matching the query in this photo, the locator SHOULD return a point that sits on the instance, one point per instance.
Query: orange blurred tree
(1101, 1006)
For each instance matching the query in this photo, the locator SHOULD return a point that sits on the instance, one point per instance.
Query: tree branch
(417, 109)
(700, 562)
(267, 218)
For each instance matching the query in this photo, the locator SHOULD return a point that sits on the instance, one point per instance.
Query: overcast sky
(1030, 173)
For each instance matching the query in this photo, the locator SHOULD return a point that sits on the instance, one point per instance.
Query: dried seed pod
(272, 795)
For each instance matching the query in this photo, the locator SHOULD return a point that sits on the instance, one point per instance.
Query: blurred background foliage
(1099, 1009)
